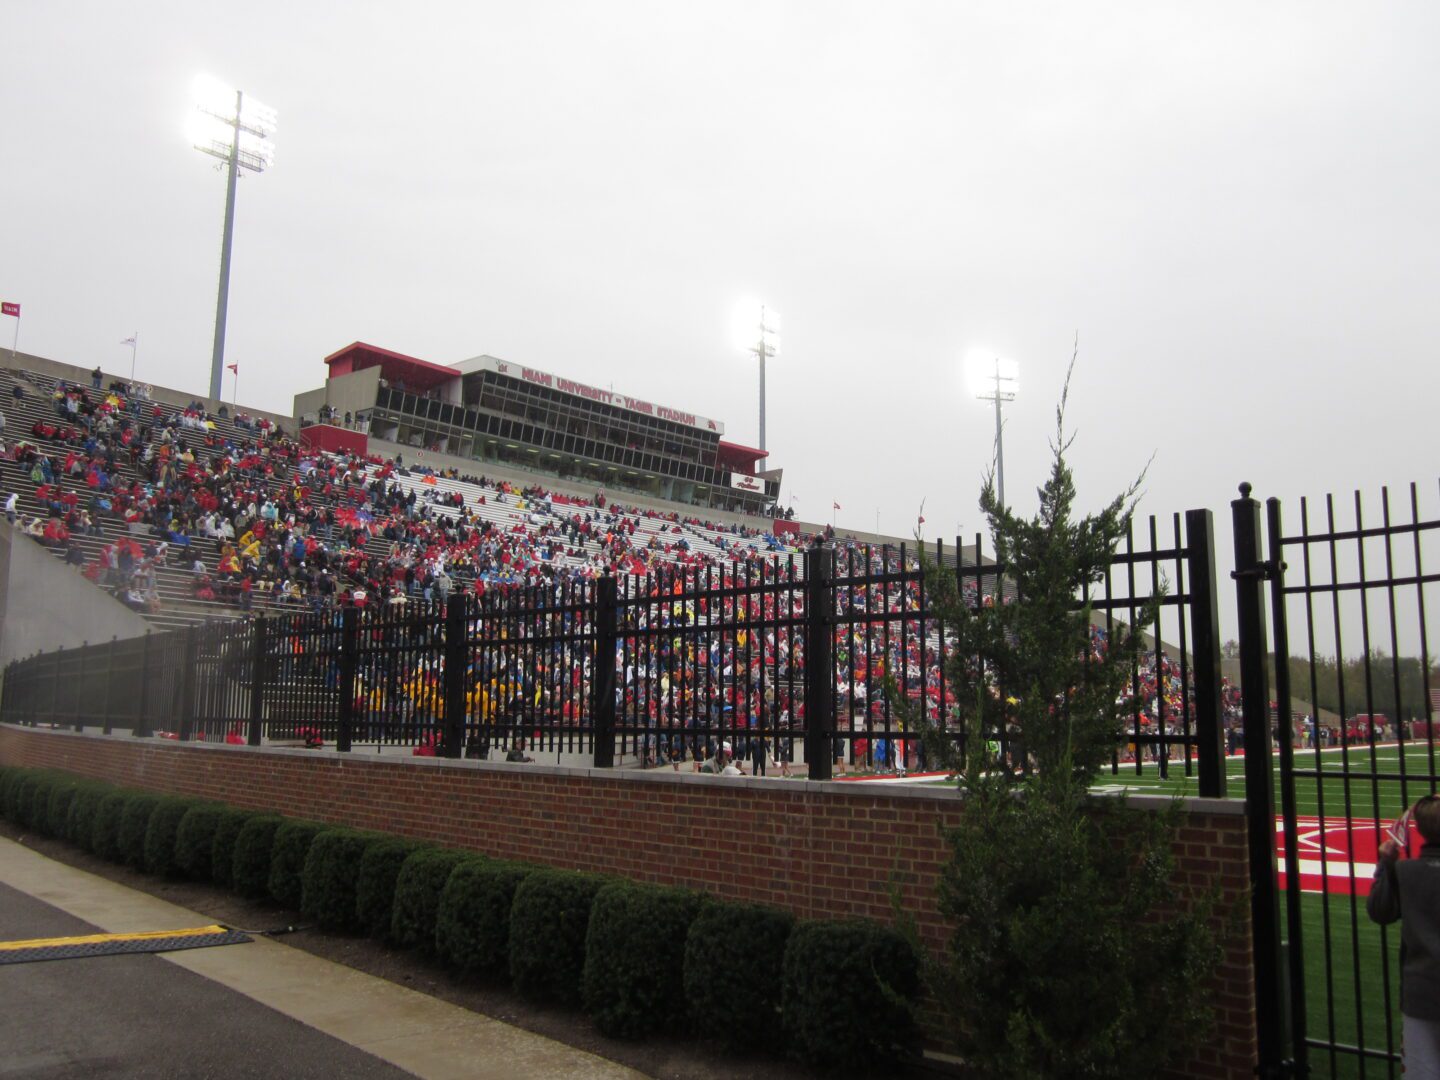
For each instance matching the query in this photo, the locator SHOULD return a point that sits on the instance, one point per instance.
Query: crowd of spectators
(295, 527)
(255, 516)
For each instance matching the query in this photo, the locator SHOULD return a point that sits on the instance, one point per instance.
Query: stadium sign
(741, 482)
(605, 397)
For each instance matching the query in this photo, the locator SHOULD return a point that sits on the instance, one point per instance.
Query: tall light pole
(134, 342)
(999, 394)
(766, 345)
(241, 134)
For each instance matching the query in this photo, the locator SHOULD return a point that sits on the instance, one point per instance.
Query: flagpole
(15, 342)
(134, 347)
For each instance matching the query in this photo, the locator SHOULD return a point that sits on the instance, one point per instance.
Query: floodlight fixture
(1003, 384)
(765, 343)
(240, 132)
(979, 370)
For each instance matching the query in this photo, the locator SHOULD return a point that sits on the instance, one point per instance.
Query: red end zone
(1337, 857)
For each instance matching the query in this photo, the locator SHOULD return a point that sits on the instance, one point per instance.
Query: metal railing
(1355, 590)
(781, 662)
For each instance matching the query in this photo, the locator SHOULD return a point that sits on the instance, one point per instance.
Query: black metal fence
(781, 662)
(789, 661)
(1353, 724)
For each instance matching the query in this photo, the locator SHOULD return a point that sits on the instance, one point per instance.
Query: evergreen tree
(1074, 951)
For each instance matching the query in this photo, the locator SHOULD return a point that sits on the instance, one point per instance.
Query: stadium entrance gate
(1358, 587)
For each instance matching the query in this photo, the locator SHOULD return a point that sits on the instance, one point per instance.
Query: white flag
(128, 341)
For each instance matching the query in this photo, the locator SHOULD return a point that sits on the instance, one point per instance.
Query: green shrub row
(287, 860)
(633, 982)
(639, 958)
(472, 922)
(418, 887)
(332, 871)
(222, 844)
(375, 884)
(548, 924)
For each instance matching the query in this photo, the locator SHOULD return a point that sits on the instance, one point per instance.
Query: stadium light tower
(241, 133)
(999, 393)
(767, 344)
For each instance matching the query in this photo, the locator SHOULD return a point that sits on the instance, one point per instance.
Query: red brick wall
(820, 850)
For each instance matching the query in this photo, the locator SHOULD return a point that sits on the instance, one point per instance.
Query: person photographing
(1409, 890)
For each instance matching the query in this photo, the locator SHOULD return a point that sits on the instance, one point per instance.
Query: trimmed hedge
(105, 833)
(57, 806)
(375, 884)
(739, 1001)
(250, 872)
(80, 822)
(222, 844)
(332, 868)
(31, 785)
(472, 923)
(134, 823)
(548, 922)
(162, 832)
(287, 860)
(10, 781)
(195, 840)
(633, 982)
(417, 895)
(848, 994)
(640, 958)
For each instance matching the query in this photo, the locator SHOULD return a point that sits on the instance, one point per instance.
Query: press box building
(489, 410)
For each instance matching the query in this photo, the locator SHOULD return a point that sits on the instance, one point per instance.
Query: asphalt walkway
(253, 1010)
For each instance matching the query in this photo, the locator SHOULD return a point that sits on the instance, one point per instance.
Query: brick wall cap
(933, 793)
(1192, 803)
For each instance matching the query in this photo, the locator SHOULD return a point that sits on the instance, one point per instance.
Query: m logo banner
(1334, 855)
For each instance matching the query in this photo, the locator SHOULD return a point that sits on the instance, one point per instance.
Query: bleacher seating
(497, 534)
(375, 532)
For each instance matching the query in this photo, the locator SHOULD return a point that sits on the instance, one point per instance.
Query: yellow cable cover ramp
(88, 945)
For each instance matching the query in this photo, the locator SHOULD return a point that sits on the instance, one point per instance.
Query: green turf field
(1347, 988)
(1350, 996)
(1365, 799)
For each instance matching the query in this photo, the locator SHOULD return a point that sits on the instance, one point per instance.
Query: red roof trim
(387, 354)
(737, 451)
(395, 367)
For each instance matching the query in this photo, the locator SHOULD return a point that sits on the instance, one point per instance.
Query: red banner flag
(234, 367)
(7, 308)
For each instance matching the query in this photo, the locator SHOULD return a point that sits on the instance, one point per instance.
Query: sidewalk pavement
(422, 1035)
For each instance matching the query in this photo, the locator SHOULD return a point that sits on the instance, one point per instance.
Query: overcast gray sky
(1233, 204)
